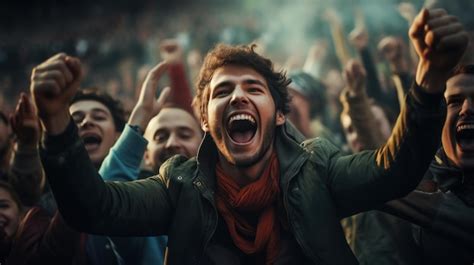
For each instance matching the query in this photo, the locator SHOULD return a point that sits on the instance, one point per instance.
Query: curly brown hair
(243, 55)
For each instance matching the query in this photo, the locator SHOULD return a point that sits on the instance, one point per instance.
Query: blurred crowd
(351, 65)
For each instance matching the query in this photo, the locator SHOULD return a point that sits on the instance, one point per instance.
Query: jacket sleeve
(363, 119)
(181, 93)
(27, 174)
(440, 212)
(124, 159)
(88, 204)
(374, 88)
(366, 180)
(40, 239)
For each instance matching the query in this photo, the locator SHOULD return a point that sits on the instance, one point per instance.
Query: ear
(280, 118)
(204, 123)
(146, 158)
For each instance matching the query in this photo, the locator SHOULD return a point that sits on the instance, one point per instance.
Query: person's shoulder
(178, 167)
(34, 223)
(320, 149)
(319, 144)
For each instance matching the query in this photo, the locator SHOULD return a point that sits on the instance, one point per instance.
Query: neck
(246, 175)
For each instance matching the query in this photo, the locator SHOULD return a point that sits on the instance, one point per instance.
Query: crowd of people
(259, 161)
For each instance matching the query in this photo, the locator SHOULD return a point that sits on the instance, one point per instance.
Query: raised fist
(440, 41)
(355, 76)
(392, 48)
(171, 50)
(359, 38)
(25, 122)
(53, 85)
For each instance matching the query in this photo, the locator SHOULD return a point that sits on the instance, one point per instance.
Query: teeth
(242, 117)
(465, 126)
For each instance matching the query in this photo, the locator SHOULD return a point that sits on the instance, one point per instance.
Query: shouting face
(241, 115)
(458, 131)
(96, 128)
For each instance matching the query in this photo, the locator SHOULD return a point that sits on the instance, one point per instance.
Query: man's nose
(87, 121)
(172, 142)
(467, 107)
(238, 96)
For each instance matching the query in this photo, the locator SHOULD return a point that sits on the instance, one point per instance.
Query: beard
(251, 160)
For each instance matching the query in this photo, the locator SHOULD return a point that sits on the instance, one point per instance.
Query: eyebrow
(246, 81)
(92, 110)
(455, 96)
(99, 110)
(178, 128)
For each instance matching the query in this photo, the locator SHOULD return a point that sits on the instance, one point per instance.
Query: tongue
(242, 137)
(91, 146)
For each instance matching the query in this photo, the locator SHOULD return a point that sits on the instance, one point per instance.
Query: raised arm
(363, 181)
(27, 172)
(359, 38)
(181, 92)
(356, 104)
(124, 159)
(86, 202)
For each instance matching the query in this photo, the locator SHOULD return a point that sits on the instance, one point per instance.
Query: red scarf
(259, 197)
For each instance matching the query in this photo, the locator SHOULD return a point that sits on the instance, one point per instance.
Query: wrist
(139, 117)
(430, 81)
(56, 124)
(137, 129)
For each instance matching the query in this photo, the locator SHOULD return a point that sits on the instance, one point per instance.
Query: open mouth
(241, 128)
(465, 136)
(91, 141)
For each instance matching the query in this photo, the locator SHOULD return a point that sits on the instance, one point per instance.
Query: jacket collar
(287, 145)
(451, 178)
(443, 173)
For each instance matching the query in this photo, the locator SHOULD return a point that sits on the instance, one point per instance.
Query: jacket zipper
(294, 171)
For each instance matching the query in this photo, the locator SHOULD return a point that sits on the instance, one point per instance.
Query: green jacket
(319, 187)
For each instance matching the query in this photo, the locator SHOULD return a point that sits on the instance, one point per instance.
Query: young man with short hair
(253, 194)
(443, 204)
(100, 119)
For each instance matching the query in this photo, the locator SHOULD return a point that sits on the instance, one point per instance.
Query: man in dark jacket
(443, 204)
(254, 194)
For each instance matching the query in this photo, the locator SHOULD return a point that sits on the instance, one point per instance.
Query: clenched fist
(440, 41)
(53, 85)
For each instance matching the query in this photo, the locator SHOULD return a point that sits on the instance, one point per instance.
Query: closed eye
(221, 92)
(255, 90)
(454, 101)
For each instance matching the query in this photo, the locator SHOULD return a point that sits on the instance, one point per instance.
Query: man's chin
(244, 160)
